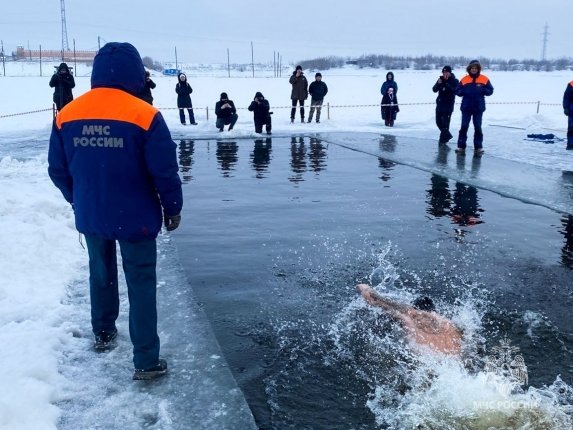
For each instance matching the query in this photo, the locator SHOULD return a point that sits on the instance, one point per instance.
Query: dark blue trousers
(478, 135)
(570, 131)
(139, 263)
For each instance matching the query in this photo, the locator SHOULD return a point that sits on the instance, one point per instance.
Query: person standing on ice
(299, 92)
(568, 110)
(445, 86)
(112, 157)
(146, 92)
(62, 82)
(317, 91)
(389, 107)
(184, 90)
(473, 88)
(388, 83)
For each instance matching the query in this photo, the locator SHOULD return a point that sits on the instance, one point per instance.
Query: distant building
(36, 54)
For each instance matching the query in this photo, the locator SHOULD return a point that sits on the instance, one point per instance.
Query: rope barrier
(25, 113)
(326, 106)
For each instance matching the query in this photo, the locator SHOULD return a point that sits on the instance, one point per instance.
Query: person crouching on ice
(226, 112)
(261, 115)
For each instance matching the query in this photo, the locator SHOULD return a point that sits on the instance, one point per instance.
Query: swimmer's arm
(372, 297)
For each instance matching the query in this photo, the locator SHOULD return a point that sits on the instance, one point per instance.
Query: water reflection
(227, 156)
(317, 155)
(261, 156)
(298, 159)
(439, 198)
(387, 143)
(567, 250)
(386, 166)
(466, 210)
(186, 150)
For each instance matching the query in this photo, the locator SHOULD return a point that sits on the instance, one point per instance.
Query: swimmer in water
(423, 325)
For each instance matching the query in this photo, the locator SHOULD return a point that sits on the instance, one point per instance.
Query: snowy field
(41, 260)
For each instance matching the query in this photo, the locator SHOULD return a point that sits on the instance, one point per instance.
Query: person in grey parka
(299, 92)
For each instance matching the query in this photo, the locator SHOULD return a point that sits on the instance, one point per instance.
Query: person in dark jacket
(261, 115)
(184, 90)
(568, 110)
(473, 88)
(62, 82)
(389, 107)
(445, 86)
(299, 92)
(226, 112)
(317, 91)
(148, 86)
(388, 83)
(112, 157)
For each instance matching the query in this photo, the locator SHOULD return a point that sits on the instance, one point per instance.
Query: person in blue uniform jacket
(473, 88)
(568, 110)
(112, 157)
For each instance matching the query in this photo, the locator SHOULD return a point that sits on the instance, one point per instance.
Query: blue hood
(118, 65)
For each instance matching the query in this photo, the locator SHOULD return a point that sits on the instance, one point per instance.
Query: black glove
(566, 111)
(172, 222)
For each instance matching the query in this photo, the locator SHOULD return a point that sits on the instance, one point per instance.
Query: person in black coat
(146, 91)
(317, 91)
(184, 90)
(445, 86)
(226, 112)
(261, 115)
(62, 81)
(389, 107)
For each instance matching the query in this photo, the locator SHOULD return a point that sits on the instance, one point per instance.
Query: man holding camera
(226, 112)
(299, 92)
(446, 89)
(62, 82)
(261, 115)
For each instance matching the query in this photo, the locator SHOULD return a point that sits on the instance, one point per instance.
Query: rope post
(207, 112)
(327, 110)
(538, 103)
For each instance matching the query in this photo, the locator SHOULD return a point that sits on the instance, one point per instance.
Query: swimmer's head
(424, 303)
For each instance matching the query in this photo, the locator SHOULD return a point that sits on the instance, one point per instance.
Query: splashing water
(414, 390)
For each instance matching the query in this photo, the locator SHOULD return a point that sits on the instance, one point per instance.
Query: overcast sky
(202, 30)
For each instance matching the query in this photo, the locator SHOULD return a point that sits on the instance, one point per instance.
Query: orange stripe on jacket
(110, 104)
(468, 79)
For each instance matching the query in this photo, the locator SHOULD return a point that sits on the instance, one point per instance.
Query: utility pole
(3, 59)
(228, 63)
(545, 38)
(176, 63)
(253, 59)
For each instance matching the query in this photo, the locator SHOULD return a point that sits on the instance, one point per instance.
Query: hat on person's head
(317, 75)
(424, 303)
(224, 96)
(446, 69)
(389, 75)
(63, 66)
(118, 65)
(299, 67)
(259, 95)
(474, 63)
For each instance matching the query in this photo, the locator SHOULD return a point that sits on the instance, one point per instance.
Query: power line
(545, 39)
(65, 46)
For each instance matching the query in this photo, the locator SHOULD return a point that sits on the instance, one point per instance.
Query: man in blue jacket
(473, 88)
(568, 110)
(112, 157)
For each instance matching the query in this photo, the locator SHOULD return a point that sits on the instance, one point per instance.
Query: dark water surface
(276, 233)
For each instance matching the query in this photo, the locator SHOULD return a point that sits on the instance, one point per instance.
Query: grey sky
(202, 30)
